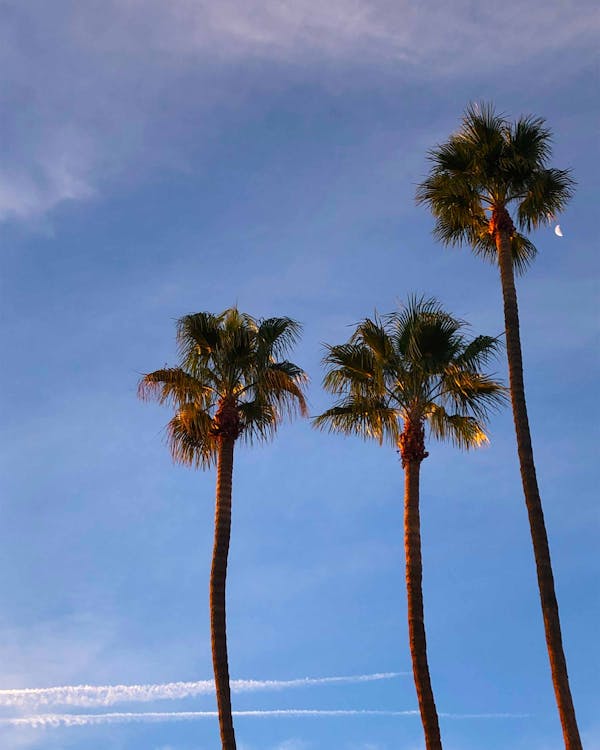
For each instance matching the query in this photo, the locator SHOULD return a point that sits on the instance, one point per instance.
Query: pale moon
(558, 231)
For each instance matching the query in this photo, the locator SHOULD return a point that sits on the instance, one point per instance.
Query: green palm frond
(529, 144)
(198, 336)
(489, 165)
(258, 420)
(547, 193)
(425, 333)
(276, 336)
(350, 363)
(479, 352)
(231, 359)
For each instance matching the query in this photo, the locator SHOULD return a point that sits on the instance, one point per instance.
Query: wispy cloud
(75, 720)
(109, 85)
(107, 695)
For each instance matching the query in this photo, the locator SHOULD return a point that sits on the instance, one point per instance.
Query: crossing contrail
(90, 696)
(75, 720)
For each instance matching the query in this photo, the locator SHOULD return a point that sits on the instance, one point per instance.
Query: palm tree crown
(490, 176)
(231, 381)
(411, 367)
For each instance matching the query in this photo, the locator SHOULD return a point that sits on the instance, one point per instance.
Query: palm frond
(259, 420)
(456, 204)
(425, 333)
(276, 336)
(547, 193)
(363, 417)
(348, 363)
(529, 144)
(472, 393)
(463, 431)
(175, 386)
(190, 438)
(372, 335)
(279, 388)
(198, 337)
(479, 352)
(522, 249)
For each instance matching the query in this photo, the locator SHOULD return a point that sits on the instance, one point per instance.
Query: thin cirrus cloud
(107, 695)
(78, 720)
(98, 77)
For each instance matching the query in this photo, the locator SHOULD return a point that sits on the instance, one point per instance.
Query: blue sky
(158, 159)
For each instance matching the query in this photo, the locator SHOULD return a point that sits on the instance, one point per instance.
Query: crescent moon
(558, 231)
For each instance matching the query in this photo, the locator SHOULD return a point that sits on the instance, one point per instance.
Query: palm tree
(394, 376)
(488, 176)
(231, 383)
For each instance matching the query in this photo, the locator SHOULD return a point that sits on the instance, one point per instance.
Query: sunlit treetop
(231, 380)
(491, 168)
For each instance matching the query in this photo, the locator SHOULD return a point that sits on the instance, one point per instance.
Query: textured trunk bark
(218, 575)
(416, 624)
(539, 537)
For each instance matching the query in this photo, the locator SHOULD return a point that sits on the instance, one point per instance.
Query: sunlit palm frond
(471, 393)
(371, 334)
(463, 431)
(174, 386)
(367, 418)
(190, 438)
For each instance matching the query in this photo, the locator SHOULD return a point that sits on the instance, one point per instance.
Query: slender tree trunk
(218, 575)
(539, 537)
(414, 591)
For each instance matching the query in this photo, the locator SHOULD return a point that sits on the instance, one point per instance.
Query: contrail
(74, 720)
(107, 695)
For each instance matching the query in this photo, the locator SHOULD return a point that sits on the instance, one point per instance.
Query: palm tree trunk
(416, 623)
(218, 575)
(539, 537)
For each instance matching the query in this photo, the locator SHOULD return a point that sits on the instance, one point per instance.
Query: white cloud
(72, 720)
(433, 34)
(107, 695)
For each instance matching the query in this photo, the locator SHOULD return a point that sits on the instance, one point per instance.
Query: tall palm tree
(392, 378)
(488, 176)
(230, 383)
